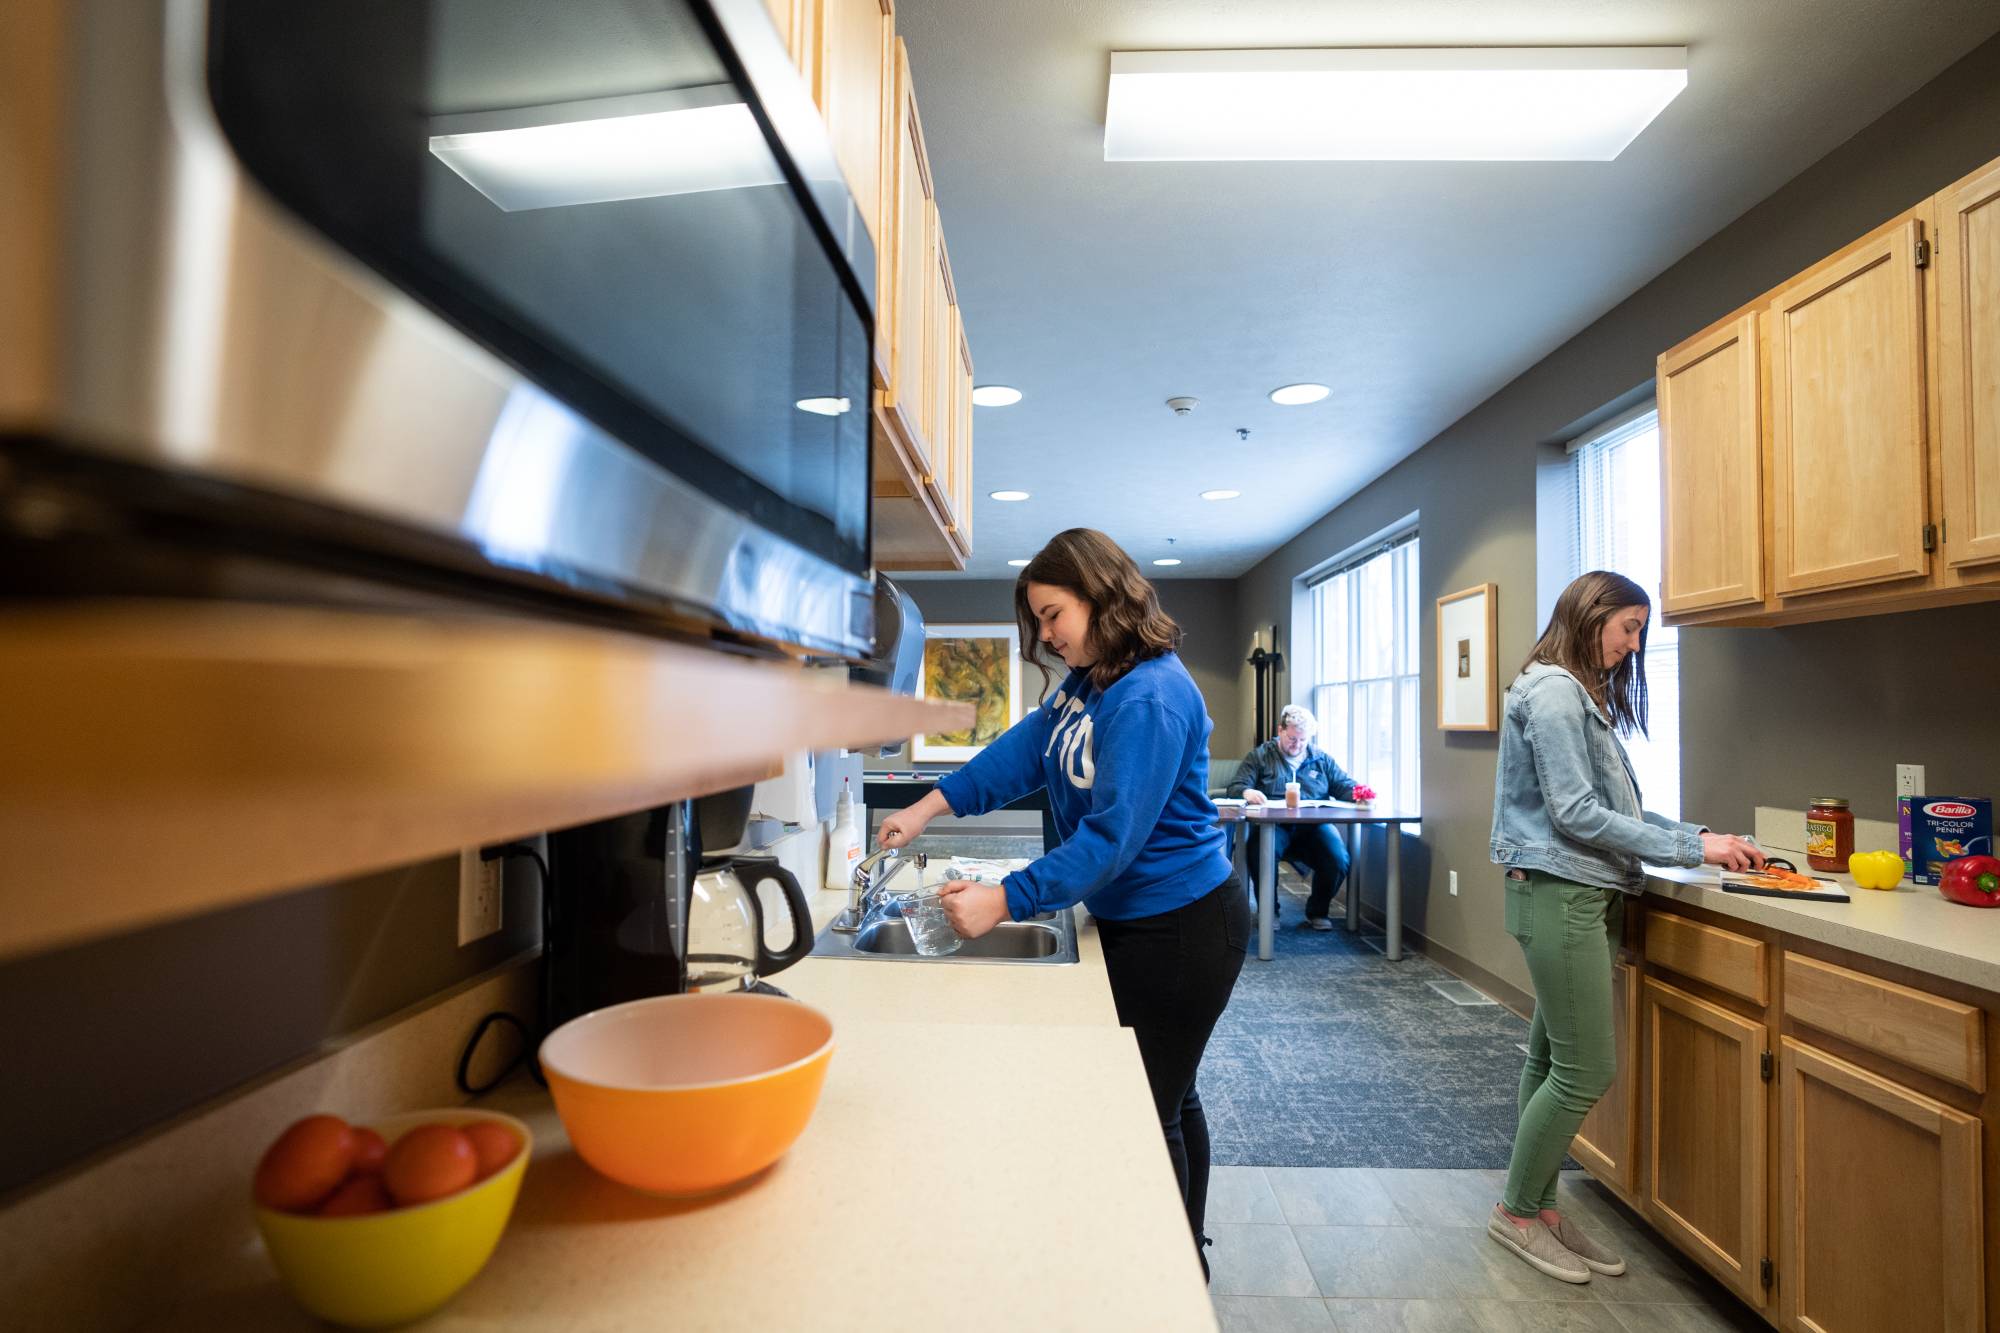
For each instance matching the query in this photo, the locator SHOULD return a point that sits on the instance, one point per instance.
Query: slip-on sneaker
(1595, 1256)
(1538, 1247)
(1320, 922)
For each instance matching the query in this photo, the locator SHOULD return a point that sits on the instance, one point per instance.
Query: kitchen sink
(1049, 938)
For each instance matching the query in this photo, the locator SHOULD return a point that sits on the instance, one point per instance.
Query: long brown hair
(1127, 626)
(1574, 641)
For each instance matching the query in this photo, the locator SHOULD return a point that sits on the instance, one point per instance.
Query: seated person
(1290, 756)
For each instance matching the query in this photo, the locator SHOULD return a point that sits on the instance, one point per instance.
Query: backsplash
(1779, 716)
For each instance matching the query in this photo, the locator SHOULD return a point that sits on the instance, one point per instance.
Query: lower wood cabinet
(1608, 1143)
(1809, 1128)
(1879, 1208)
(1706, 1108)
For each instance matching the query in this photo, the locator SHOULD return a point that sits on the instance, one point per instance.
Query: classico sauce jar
(1829, 834)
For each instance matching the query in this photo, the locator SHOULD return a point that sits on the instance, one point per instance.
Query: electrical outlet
(1454, 884)
(478, 896)
(1909, 780)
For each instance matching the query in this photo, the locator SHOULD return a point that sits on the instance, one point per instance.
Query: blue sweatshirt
(1126, 771)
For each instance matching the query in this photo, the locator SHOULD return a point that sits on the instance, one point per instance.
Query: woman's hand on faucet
(900, 828)
(973, 909)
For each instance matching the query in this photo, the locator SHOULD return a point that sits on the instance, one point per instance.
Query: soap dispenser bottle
(843, 841)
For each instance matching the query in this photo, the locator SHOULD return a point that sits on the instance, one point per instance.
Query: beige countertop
(1913, 926)
(984, 1156)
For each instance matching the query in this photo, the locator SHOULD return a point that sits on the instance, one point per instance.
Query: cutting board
(1827, 892)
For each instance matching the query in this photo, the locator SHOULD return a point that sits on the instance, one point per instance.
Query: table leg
(1239, 843)
(1357, 843)
(1392, 946)
(1267, 891)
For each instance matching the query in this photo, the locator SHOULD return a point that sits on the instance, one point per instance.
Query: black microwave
(558, 305)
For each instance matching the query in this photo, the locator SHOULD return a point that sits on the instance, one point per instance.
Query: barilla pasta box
(1944, 828)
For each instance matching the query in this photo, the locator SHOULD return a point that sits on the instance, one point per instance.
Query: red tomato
(428, 1163)
(369, 1150)
(493, 1143)
(361, 1194)
(306, 1164)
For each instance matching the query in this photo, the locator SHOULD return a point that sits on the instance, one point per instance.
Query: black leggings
(1171, 976)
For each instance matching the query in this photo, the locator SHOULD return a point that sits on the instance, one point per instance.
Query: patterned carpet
(1330, 1055)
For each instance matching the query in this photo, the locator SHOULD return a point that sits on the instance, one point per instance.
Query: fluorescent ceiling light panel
(1007, 495)
(1446, 104)
(995, 395)
(1018, 564)
(1220, 495)
(637, 147)
(1297, 395)
(1169, 562)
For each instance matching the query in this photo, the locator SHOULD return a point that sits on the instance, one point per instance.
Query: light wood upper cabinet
(1607, 1144)
(1711, 469)
(857, 62)
(1869, 1169)
(797, 22)
(1967, 357)
(915, 247)
(940, 374)
(1848, 418)
(1705, 1132)
(962, 436)
(860, 71)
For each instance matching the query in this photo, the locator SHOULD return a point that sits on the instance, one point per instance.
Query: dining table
(1347, 815)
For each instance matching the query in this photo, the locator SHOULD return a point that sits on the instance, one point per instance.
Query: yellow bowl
(685, 1094)
(379, 1269)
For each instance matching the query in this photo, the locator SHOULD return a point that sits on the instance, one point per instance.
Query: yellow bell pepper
(1876, 870)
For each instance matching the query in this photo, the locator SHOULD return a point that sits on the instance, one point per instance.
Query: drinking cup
(930, 928)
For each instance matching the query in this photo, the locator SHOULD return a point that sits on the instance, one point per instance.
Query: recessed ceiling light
(995, 395)
(1442, 104)
(1018, 564)
(1006, 495)
(1220, 495)
(1294, 395)
(1168, 561)
(825, 407)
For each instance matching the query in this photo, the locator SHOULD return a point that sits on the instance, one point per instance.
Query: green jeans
(1570, 934)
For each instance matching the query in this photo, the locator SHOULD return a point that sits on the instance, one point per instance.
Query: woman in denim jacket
(1568, 825)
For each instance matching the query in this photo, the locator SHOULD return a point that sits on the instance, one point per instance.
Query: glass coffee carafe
(725, 924)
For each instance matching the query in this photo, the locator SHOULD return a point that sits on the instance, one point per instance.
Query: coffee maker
(634, 908)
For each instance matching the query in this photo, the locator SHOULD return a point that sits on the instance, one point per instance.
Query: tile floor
(1320, 1250)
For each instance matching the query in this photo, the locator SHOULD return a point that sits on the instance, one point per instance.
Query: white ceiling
(1415, 290)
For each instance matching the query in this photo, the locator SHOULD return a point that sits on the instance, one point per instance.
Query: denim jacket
(1565, 800)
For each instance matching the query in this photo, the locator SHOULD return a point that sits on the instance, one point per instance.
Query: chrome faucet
(862, 888)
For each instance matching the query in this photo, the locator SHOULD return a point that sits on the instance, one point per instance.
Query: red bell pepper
(1972, 879)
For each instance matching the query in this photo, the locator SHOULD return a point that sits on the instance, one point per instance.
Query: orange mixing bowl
(684, 1094)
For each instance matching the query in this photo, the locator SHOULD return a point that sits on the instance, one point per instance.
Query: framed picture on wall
(975, 664)
(1468, 627)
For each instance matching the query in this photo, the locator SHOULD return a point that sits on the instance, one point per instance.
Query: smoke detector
(1183, 406)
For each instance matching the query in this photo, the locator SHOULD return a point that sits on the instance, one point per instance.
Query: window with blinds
(1618, 528)
(1365, 697)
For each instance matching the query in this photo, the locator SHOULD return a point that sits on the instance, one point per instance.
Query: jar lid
(1831, 802)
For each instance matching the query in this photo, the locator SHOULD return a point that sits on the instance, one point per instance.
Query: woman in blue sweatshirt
(1122, 750)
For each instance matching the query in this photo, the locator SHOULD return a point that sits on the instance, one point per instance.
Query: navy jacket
(1268, 770)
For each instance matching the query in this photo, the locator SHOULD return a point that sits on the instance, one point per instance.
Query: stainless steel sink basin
(1049, 938)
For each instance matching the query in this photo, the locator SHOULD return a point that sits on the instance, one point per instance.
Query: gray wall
(1767, 714)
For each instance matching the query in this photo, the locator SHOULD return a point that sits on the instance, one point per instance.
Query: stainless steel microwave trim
(157, 305)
